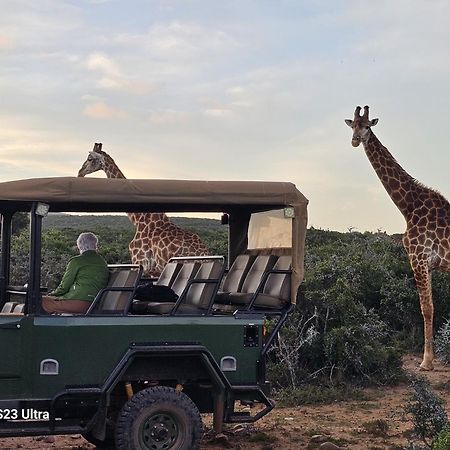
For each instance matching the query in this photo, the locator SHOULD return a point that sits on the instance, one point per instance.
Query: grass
(312, 395)
(378, 427)
(262, 438)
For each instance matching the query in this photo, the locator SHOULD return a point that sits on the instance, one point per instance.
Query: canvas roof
(102, 194)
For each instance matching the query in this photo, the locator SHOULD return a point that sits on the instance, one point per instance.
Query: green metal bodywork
(89, 348)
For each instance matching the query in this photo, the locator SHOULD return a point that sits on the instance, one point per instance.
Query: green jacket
(85, 276)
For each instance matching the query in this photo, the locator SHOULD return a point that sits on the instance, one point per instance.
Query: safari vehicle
(137, 374)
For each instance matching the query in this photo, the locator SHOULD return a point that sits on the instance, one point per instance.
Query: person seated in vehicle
(85, 275)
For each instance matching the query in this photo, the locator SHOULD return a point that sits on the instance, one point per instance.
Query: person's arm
(67, 279)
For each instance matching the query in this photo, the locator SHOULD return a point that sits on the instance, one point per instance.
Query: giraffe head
(361, 126)
(95, 161)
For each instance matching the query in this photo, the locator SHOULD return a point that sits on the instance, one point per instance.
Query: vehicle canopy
(262, 216)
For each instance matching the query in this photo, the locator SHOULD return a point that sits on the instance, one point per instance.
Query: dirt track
(345, 424)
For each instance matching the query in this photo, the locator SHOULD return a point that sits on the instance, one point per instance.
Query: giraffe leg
(422, 276)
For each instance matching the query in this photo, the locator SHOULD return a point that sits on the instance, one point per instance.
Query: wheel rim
(158, 432)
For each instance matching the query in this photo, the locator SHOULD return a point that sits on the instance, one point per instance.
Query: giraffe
(157, 239)
(427, 215)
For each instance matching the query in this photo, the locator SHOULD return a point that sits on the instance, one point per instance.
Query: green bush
(442, 342)
(428, 415)
(442, 442)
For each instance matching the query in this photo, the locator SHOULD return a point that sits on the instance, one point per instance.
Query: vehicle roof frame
(238, 199)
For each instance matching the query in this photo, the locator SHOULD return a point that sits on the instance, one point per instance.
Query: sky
(230, 90)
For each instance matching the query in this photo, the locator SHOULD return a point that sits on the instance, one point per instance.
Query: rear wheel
(158, 418)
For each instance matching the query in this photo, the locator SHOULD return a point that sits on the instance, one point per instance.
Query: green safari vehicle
(133, 373)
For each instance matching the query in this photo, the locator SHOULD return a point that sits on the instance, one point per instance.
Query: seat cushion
(159, 308)
(240, 298)
(269, 301)
(166, 308)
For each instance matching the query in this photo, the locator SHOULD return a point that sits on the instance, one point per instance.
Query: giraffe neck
(112, 171)
(401, 187)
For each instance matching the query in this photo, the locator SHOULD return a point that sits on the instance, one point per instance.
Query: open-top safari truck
(138, 372)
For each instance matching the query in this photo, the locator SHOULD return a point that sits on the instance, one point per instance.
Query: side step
(247, 393)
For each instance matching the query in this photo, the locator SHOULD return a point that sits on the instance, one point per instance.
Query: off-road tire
(158, 418)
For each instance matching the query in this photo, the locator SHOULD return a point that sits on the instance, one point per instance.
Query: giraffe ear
(373, 122)
(349, 122)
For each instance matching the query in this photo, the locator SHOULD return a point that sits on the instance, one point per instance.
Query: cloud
(218, 112)
(168, 117)
(100, 110)
(181, 40)
(112, 76)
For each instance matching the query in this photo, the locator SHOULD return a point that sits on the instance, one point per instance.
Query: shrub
(428, 415)
(378, 427)
(442, 342)
(442, 442)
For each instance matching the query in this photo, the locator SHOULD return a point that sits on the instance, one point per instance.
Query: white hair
(87, 241)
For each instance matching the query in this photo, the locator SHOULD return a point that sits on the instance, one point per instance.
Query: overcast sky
(230, 89)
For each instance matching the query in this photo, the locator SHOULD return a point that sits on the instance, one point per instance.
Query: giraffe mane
(424, 186)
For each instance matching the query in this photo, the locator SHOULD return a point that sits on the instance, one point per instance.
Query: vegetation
(442, 442)
(428, 415)
(442, 342)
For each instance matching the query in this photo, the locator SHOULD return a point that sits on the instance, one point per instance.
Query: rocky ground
(377, 423)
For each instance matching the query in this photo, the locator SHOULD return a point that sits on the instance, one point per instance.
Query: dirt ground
(349, 425)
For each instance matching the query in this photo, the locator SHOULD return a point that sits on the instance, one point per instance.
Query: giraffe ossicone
(427, 215)
(156, 239)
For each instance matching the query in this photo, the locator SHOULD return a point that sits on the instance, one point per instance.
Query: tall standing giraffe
(157, 239)
(427, 215)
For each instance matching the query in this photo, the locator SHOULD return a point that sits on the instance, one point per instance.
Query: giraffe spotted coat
(427, 215)
(156, 239)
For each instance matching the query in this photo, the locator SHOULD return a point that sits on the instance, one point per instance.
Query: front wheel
(158, 418)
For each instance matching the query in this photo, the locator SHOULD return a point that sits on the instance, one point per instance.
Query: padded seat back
(279, 284)
(262, 264)
(18, 309)
(235, 277)
(119, 277)
(200, 294)
(8, 307)
(186, 273)
(168, 274)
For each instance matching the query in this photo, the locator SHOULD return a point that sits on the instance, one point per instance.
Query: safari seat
(234, 278)
(269, 281)
(8, 307)
(199, 295)
(186, 273)
(197, 291)
(169, 274)
(122, 283)
(18, 308)
(260, 265)
(276, 290)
